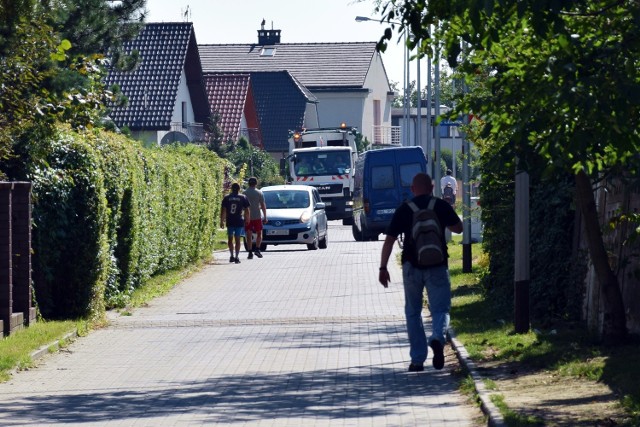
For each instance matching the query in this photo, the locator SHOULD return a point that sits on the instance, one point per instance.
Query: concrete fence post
(6, 286)
(21, 244)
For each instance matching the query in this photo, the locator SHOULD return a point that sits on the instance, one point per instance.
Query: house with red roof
(346, 82)
(261, 106)
(259, 91)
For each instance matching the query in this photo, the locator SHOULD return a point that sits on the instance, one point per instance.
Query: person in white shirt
(449, 180)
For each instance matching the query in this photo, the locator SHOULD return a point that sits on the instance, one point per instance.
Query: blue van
(382, 181)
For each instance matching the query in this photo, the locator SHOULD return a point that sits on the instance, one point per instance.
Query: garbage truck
(324, 158)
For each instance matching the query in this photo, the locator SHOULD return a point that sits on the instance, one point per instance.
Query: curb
(54, 346)
(487, 406)
(47, 349)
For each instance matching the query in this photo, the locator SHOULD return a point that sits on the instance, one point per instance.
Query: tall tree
(563, 83)
(41, 82)
(98, 26)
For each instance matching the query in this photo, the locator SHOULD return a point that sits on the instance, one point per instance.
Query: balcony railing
(194, 131)
(386, 135)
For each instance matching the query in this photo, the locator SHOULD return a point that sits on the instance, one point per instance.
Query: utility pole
(429, 119)
(436, 167)
(521, 270)
(466, 201)
(466, 191)
(419, 106)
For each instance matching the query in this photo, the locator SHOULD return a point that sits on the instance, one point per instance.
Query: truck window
(407, 172)
(382, 177)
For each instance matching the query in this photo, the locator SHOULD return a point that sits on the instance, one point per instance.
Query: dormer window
(268, 51)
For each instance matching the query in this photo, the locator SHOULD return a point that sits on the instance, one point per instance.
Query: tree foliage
(251, 161)
(561, 84)
(46, 78)
(98, 26)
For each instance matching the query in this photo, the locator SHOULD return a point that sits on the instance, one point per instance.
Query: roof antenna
(186, 14)
(262, 24)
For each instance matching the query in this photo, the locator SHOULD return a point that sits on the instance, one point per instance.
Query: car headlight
(305, 217)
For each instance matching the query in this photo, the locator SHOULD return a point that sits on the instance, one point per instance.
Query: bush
(557, 273)
(108, 214)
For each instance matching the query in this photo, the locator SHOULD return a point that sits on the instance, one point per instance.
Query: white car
(295, 215)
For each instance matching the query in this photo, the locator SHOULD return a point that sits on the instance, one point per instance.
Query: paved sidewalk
(297, 338)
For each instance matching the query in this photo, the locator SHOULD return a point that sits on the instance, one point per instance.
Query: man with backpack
(449, 187)
(422, 220)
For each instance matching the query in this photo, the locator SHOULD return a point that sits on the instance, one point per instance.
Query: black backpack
(447, 194)
(426, 234)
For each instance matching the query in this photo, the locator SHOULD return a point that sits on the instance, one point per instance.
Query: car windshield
(315, 163)
(286, 199)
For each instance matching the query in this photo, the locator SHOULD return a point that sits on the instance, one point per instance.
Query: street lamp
(406, 99)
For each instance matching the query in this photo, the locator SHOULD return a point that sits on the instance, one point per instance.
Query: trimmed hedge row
(108, 214)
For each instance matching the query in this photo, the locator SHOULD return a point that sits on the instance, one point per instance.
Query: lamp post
(406, 99)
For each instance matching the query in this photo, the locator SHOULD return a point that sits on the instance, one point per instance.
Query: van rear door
(391, 174)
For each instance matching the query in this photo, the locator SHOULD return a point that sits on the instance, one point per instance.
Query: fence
(623, 258)
(16, 309)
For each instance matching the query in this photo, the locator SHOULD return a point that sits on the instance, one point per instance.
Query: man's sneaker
(414, 367)
(258, 254)
(236, 260)
(438, 354)
(250, 255)
(232, 259)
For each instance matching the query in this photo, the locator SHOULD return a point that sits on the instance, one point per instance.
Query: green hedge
(108, 214)
(556, 273)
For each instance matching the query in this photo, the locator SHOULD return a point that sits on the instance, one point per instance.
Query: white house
(348, 80)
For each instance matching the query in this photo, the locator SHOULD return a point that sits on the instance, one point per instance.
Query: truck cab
(324, 158)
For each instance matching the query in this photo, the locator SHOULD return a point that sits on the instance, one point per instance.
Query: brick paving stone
(297, 338)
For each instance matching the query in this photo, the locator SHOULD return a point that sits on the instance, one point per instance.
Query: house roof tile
(227, 95)
(280, 101)
(152, 88)
(315, 65)
(281, 104)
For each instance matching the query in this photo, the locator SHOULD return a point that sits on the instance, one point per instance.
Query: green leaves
(61, 51)
(108, 214)
(561, 74)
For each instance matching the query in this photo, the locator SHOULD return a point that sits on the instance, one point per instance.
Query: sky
(300, 21)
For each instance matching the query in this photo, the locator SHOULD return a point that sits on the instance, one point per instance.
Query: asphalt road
(297, 338)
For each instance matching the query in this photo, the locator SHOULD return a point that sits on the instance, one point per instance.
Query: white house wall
(182, 96)
(147, 137)
(311, 116)
(338, 107)
(378, 85)
(356, 108)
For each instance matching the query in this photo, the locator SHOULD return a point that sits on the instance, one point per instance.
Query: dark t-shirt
(235, 205)
(403, 219)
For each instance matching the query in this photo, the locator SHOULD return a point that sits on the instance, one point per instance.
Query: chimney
(268, 37)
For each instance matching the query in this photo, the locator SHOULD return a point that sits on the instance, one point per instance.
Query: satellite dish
(174, 136)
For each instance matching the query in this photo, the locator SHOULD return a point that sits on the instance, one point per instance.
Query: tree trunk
(614, 326)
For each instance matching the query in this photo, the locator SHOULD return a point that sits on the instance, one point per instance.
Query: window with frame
(382, 177)
(268, 51)
(407, 172)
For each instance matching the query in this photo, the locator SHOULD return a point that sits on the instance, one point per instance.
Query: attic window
(268, 51)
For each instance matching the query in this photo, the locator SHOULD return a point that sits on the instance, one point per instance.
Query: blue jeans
(436, 281)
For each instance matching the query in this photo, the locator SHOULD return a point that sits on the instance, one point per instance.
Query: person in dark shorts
(256, 199)
(415, 278)
(235, 212)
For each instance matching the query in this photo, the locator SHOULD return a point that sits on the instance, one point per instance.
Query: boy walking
(256, 199)
(235, 212)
